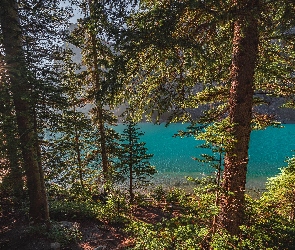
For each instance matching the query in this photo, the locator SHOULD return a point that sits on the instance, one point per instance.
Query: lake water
(268, 151)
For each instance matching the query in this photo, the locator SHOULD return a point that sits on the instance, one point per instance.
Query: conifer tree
(29, 32)
(72, 152)
(98, 58)
(218, 59)
(20, 88)
(134, 165)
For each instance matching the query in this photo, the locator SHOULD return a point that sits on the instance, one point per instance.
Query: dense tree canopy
(220, 57)
(212, 63)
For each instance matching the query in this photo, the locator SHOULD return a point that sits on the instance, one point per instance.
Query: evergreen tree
(71, 137)
(20, 88)
(218, 59)
(29, 31)
(134, 162)
(245, 38)
(98, 58)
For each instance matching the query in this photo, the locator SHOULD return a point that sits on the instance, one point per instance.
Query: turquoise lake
(268, 150)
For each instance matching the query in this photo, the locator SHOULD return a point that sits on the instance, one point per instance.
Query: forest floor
(16, 233)
(96, 235)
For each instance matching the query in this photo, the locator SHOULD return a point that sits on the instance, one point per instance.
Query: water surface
(268, 151)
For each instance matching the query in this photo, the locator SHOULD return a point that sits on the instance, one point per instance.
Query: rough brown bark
(12, 144)
(20, 88)
(99, 105)
(245, 49)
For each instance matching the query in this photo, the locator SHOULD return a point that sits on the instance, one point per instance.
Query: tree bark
(20, 88)
(15, 175)
(130, 163)
(78, 152)
(245, 50)
(99, 104)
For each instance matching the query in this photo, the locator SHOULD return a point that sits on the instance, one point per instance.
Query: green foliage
(61, 232)
(177, 234)
(176, 195)
(66, 204)
(264, 228)
(134, 165)
(158, 193)
(73, 209)
(64, 234)
(281, 191)
(71, 156)
(177, 57)
(116, 209)
(98, 76)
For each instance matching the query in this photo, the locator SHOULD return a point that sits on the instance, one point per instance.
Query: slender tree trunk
(99, 105)
(130, 164)
(104, 156)
(39, 160)
(245, 50)
(78, 151)
(131, 182)
(20, 88)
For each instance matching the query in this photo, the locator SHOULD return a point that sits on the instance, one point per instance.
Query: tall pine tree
(20, 88)
(98, 57)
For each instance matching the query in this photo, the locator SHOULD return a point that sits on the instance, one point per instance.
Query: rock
(69, 225)
(66, 224)
(100, 248)
(55, 246)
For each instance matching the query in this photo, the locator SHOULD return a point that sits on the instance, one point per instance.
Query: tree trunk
(20, 88)
(12, 144)
(78, 151)
(99, 105)
(245, 50)
(104, 155)
(130, 163)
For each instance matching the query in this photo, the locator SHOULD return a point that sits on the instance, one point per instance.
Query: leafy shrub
(61, 232)
(115, 209)
(64, 233)
(176, 195)
(62, 210)
(281, 191)
(158, 193)
(180, 233)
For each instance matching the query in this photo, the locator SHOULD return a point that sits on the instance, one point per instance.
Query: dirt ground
(96, 235)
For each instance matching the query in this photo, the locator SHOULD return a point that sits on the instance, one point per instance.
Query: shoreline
(255, 186)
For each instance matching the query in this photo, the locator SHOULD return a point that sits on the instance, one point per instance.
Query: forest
(71, 71)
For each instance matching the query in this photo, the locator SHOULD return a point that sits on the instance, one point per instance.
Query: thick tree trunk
(20, 88)
(245, 50)
(12, 144)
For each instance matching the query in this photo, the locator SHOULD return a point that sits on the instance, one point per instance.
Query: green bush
(158, 193)
(64, 234)
(61, 232)
(63, 210)
(115, 209)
